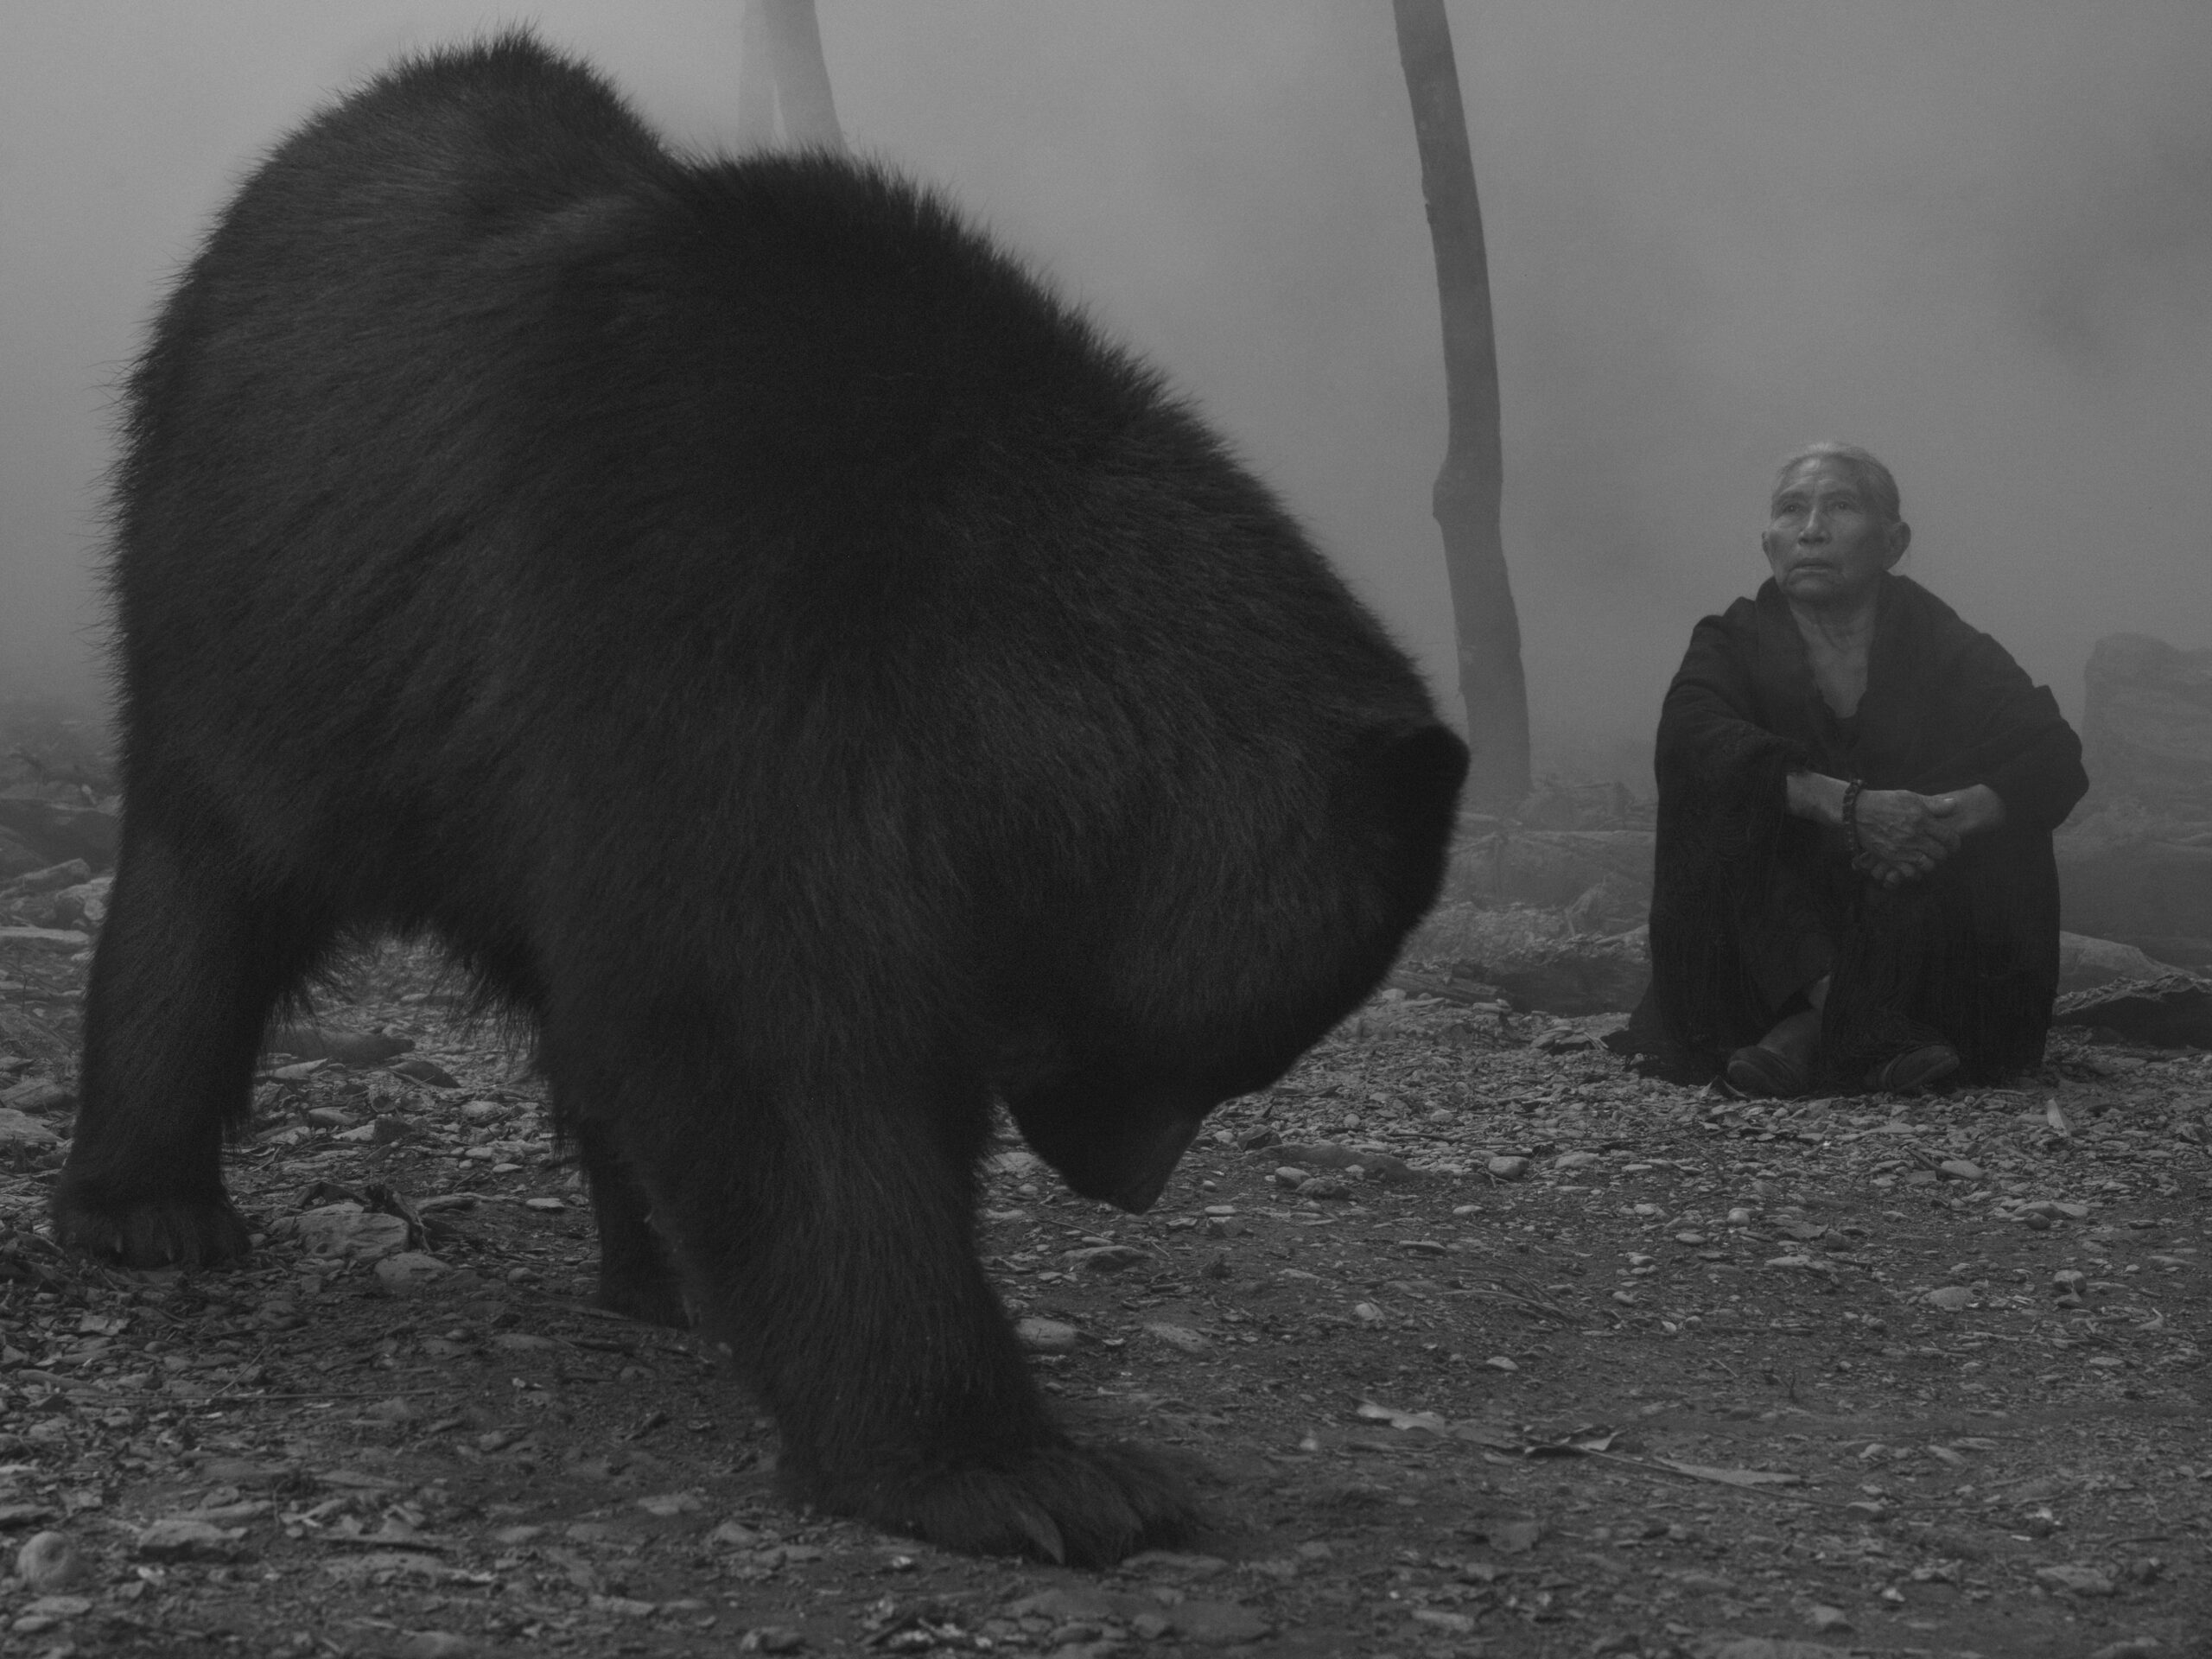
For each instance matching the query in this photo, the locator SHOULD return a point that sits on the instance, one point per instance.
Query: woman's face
(1827, 545)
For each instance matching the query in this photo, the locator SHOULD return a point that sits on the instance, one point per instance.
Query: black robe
(1750, 904)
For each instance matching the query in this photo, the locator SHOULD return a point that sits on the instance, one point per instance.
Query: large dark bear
(786, 654)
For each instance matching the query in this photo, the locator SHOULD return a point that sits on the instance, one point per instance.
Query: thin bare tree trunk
(1469, 486)
(782, 46)
(756, 81)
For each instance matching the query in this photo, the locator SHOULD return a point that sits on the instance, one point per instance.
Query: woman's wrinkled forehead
(1854, 465)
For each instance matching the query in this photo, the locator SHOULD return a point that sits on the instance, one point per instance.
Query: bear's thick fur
(784, 653)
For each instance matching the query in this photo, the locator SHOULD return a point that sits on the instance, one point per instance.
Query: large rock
(2085, 964)
(1509, 865)
(1537, 957)
(2173, 1011)
(2146, 727)
(2142, 878)
(59, 830)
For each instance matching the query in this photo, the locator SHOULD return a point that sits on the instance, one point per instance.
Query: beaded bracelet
(1858, 847)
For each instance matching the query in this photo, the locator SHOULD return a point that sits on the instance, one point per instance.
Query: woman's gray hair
(1875, 480)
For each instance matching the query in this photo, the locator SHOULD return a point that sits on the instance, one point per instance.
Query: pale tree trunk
(756, 79)
(1469, 487)
(782, 82)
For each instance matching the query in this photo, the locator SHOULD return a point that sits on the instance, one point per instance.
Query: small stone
(48, 1562)
(1513, 1537)
(46, 939)
(669, 1505)
(38, 1098)
(1827, 1619)
(1444, 1623)
(1959, 1169)
(329, 1117)
(408, 1269)
(1045, 1336)
(1106, 1258)
(22, 1136)
(1951, 1297)
(345, 1231)
(56, 1608)
(1507, 1168)
(1217, 1623)
(428, 1071)
(1690, 1238)
(1367, 1313)
(770, 1639)
(516, 1537)
(394, 1410)
(182, 1540)
(1574, 1159)
(1740, 1216)
(1500, 1363)
(1323, 1186)
(1181, 1337)
(2076, 1579)
(1291, 1176)
(546, 1204)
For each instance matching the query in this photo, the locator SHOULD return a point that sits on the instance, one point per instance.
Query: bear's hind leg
(636, 1275)
(188, 966)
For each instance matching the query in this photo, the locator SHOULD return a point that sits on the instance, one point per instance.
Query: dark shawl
(1748, 904)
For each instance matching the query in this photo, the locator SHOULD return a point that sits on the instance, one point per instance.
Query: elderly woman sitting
(1856, 797)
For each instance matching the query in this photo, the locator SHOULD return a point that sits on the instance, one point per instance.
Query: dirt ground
(1570, 1363)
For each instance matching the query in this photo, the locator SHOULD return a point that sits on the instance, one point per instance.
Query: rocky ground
(1491, 1346)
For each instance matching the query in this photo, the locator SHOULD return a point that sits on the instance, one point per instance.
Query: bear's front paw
(156, 1233)
(1075, 1504)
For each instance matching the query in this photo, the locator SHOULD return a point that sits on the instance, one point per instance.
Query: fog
(1976, 237)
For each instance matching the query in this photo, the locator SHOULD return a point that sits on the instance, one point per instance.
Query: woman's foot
(1780, 1064)
(1914, 1069)
(1763, 1073)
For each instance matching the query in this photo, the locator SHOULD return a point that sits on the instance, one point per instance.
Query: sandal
(1914, 1069)
(1763, 1074)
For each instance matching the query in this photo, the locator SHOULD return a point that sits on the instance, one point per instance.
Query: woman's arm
(1902, 836)
(1815, 797)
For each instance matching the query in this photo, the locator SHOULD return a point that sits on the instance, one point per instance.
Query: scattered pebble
(1045, 1336)
(181, 1539)
(48, 1562)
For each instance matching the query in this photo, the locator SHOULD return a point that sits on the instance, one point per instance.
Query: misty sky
(1975, 236)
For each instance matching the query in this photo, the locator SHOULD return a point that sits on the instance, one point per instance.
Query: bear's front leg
(836, 1256)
